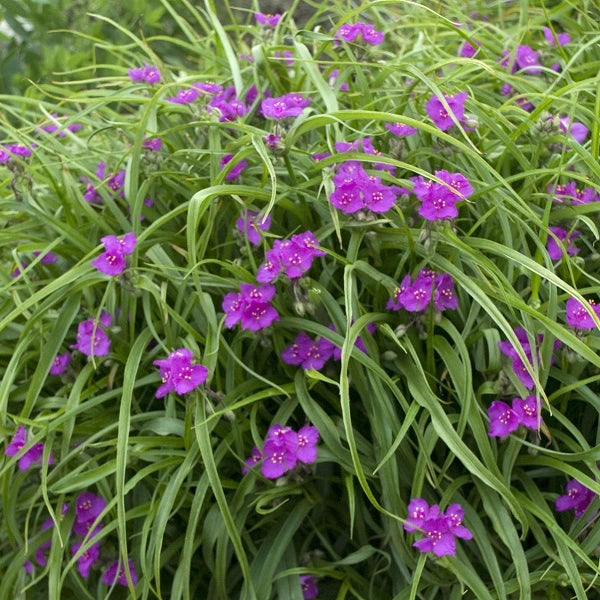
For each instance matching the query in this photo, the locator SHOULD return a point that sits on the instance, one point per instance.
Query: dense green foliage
(406, 419)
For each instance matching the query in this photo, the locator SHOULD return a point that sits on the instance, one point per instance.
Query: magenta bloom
(444, 293)
(416, 297)
(308, 438)
(87, 559)
(528, 411)
(577, 130)
(401, 129)
(503, 419)
(116, 574)
(88, 507)
(250, 307)
(60, 363)
(418, 512)
(440, 116)
(309, 587)
(31, 456)
(577, 315)
(272, 140)
(562, 38)
(438, 200)
(555, 252)
(13, 150)
(186, 96)
(454, 516)
(308, 353)
(112, 262)
(467, 50)
(527, 59)
(234, 173)
(48, 258)
(250, 225)
(228, 105)
(289, 105)
(254, 458)
(438, 538)
(208, 87)
(178, 373)
(578, 497)
(91, 338)
(279, 451)
(154, 144)
(147, 73)
(267, 20)
(349, 33)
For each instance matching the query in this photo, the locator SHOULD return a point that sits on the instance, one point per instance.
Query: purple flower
(562, 38)
(31, 456)
(53, 127)
(394, 302)
(438, 538)
(468, 50)
(112, 262)
(418, 512)
(116, 574)
(440, 116)
(527, 411)
(250, 307)
(308, 584)
(147, 73)
(186, 96)
(48, 258)
(332, 79)
(88, 508)
(527, 59)
(228, 105)
(250, 225)
(577, 130)
(578, 497)
(208, 87)
(13, 150)
(308, 438)
(444, 296)
(555, 251)
(401, 129)
(60, 363)
(154, 144)
(91, 338)
(349, 33)
(254, 458)
(289, 105)
(272, 140)
(87, 559)
(267, 20)
(416, 297)
(454, 516)
(178, 373)
(234, 173)
(503, 419)
(308, 353)
(279, 451)
(578, 316)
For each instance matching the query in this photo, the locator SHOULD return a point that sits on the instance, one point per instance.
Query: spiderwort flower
(503, 419)
(88, 508)
(349, 33)
(279, 451)
(527, 59)
(250, 225)
(87, 558)
(112, 261)
(555, 252)
(154, 144)
(60, 363)
(401, 129)
(178, 373)
(308, 353)
(562, 38)
(147, 73)
(289, 105)
(250, 307)
(208, 87)
(91, 338)
(228, 105)
(31, 456)
(577, 130)
(186, 96)
(439, 114)
(577, 315)
(254, 459)
(234, 173)
(578, 497)
(528, 411)
(116, 574)
(7, 153)
(308, 584)
(267, 20)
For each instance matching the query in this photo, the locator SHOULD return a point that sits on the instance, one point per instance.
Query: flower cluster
(7, 153)
(250, 307)
(504, 419)
(178, 373)
(356, 190)
(114, 181)
(569, 192)
(147, 73)
(439, 528)
(367, 32)
(283, 449)
(112, 261)
(250, 225)
(578, 498)
(29, 457)
(578, 316)
(55, 128)
(91, 337)
(439, 114)
(289, 105)
(438, 200)
(518, 366)
(294, 256)
(227, 105)
(365, 144)
(427, 287)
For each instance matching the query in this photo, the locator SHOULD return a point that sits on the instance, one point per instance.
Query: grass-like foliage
(364, 256)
